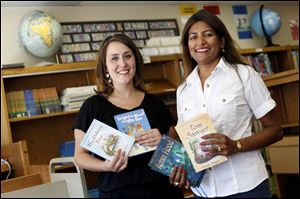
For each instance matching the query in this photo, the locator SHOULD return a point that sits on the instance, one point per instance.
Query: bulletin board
(82, 40)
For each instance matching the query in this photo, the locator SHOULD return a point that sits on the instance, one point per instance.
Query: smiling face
(120, 62)
(204, 44)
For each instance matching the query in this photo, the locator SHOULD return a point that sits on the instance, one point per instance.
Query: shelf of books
(270, 60)
(32, 102)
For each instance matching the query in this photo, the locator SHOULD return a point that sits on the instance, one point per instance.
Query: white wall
(11, 52)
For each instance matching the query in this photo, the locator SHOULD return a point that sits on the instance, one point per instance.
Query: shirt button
(207, 85)
(223, 100)
(185, 108)
(203, 105)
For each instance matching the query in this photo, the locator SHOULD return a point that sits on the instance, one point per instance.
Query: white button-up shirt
(230, 101)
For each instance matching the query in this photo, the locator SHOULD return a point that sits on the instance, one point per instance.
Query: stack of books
(72, 98)
(31, 102)
(162, 46)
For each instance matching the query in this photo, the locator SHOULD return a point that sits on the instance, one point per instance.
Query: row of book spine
(260, 62)
(31, 102)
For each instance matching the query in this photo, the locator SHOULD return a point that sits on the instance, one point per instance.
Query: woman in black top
(121, 89)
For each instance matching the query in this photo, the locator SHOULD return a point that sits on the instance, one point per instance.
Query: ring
(176, 183)
(219, 148)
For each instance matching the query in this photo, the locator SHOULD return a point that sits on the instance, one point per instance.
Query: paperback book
(104, 140)
(134, 123)
(171, 153)
(190, 133)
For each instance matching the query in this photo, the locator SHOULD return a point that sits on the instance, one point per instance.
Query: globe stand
(269, 41)
(268, 38)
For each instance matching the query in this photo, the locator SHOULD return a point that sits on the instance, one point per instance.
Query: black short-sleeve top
(137, 170)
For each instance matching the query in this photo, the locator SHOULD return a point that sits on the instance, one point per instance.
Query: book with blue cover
(134, 123)
(171, 153)
(30, 105)
(104, 140)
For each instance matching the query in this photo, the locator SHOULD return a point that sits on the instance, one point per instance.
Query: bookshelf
(82, 40)
(45, 132)
(283, 156)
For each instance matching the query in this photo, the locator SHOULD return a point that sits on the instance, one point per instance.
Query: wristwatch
(238, 145)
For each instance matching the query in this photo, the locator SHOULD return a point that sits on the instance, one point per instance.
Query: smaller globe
(40, 34)
(271, 21)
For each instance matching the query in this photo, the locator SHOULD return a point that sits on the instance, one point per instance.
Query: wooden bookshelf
(284, 88)
(44, 133)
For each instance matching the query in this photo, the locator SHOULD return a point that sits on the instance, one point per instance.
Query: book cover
(52, 100)
(23, 108)
(36, 99)
(29, 101)
(190, 133)
(171, 153)
(133, 123)
(10, 105)
(104, 140)
(45, 107)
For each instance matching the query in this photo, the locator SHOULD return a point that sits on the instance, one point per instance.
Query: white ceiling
(131, 3)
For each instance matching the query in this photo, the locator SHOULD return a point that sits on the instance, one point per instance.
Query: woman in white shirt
(231, 93)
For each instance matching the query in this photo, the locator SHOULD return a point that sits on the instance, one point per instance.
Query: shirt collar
(195, 76)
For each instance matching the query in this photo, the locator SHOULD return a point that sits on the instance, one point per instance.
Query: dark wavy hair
(105, 88)
(231, 54)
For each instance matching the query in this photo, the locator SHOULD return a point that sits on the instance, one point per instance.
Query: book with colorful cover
(190, 133)
(104, 140)
(10, 105)
(30, 104)
(53, 100)
(36, 99)
(134, 123)
(171, 153)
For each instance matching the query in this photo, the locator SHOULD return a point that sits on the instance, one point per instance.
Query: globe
(40, 34)
(270, 20)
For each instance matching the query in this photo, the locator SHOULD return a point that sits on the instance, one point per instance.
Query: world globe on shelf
(270, 20)
(40, 34)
